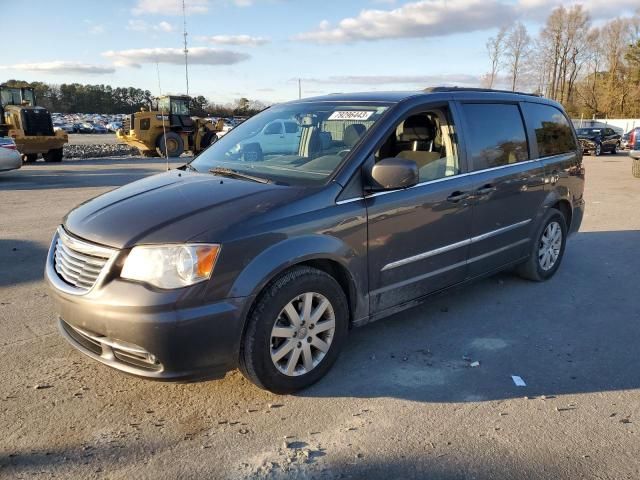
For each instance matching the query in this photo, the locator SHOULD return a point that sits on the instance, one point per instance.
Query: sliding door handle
(457, 196)
(486, 190)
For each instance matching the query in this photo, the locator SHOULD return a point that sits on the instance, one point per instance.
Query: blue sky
(258, 48)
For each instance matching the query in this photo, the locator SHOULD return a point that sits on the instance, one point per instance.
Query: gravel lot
(401, 401)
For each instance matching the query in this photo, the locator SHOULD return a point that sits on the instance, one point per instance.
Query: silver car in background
(10, 159)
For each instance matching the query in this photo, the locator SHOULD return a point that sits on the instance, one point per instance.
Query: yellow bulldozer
(30, 126)
(167, 129)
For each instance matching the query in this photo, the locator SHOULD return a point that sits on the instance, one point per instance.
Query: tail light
(9, 146)
(632, 139)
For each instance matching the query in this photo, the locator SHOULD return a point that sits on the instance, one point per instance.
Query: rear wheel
(208, 139)
(172, 143)
(547, 248)
(29, 157)
(53, 155)
(295, 331)
(597, 151)
(635, 168)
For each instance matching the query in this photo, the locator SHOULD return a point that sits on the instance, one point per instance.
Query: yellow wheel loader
(167, 129)
(30, 126)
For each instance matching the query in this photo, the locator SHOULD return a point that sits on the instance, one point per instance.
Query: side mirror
(393, 173)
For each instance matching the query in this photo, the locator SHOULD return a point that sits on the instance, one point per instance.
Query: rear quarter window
(495, 134)
(553, 132)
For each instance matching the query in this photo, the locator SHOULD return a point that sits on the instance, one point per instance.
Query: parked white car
(277, 137)
(10, 158)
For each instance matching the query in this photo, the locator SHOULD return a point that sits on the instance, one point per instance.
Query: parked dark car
(598, 140)
(265, 262)
(85, 128)
(97, 128)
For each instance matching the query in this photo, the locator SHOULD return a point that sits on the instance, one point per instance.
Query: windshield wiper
(228, 172)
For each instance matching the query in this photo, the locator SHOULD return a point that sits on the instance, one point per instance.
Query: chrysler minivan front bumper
(145, 331)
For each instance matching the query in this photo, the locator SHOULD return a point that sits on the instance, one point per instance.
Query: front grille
(111, 349)
(79, 263)
(36, 122)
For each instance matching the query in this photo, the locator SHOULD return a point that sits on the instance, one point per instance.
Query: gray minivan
(265, 261)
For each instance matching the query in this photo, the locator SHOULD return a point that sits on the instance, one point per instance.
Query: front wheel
(614, 150)
(547, 248)
(170, 144)
(295, 331)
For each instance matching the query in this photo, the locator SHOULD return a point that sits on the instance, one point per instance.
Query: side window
(427, 138)
(290, 127)
(274, 128)
(553, 132)
(495, 134)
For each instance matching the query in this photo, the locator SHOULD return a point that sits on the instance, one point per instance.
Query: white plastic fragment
(474, 364)
(518, 381)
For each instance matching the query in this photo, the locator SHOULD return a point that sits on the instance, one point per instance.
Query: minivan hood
(173, 207)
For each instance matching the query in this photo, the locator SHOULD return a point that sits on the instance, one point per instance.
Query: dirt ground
(401, 402)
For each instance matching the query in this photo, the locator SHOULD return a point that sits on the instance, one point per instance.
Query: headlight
(171, 266)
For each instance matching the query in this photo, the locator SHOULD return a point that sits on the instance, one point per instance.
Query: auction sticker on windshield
(351, 115)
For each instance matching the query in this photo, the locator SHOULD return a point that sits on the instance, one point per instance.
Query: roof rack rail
(474, 89)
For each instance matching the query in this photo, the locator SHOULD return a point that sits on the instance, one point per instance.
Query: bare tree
(516, 51)
(495, 48)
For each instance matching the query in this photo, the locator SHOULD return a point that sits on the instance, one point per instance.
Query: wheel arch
(325, 253)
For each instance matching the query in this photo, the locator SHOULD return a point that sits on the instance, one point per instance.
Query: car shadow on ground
(106, 172)
(576, 333)
(21, 261)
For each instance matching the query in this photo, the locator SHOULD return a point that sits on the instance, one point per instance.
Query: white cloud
(96, 29)
(424, 18)
(169, 7)
(197, 56)
(61, 67)
(431, 18)
(421, 80)
(244, 40)
(174, 7)
(142, 26)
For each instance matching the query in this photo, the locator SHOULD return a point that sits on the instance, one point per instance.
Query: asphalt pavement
(403, 400)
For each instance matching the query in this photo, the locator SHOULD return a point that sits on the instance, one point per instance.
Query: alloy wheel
(302, 334)
(550, 245)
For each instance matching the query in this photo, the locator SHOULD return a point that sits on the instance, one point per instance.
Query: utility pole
(186, 50)
(299, 89)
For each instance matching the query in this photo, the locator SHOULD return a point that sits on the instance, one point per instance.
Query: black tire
(174, 143)
(531, 269)
(635, 167)
(209, 138)
(597, 150)
(54, 155)
(252, 153)
(255, 355)
(30, 157)
(614, 150)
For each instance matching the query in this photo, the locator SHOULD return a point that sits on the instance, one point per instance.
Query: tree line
(105, 99)
(592, 71)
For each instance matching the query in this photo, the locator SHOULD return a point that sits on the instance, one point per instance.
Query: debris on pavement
(518, 381)
(474, 364)
(99, 150)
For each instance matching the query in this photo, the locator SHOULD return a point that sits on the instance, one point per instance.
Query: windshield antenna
(164, 125)
(186, 50)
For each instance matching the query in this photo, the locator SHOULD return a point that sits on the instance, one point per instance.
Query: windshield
(301, 144)
(589, 131)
